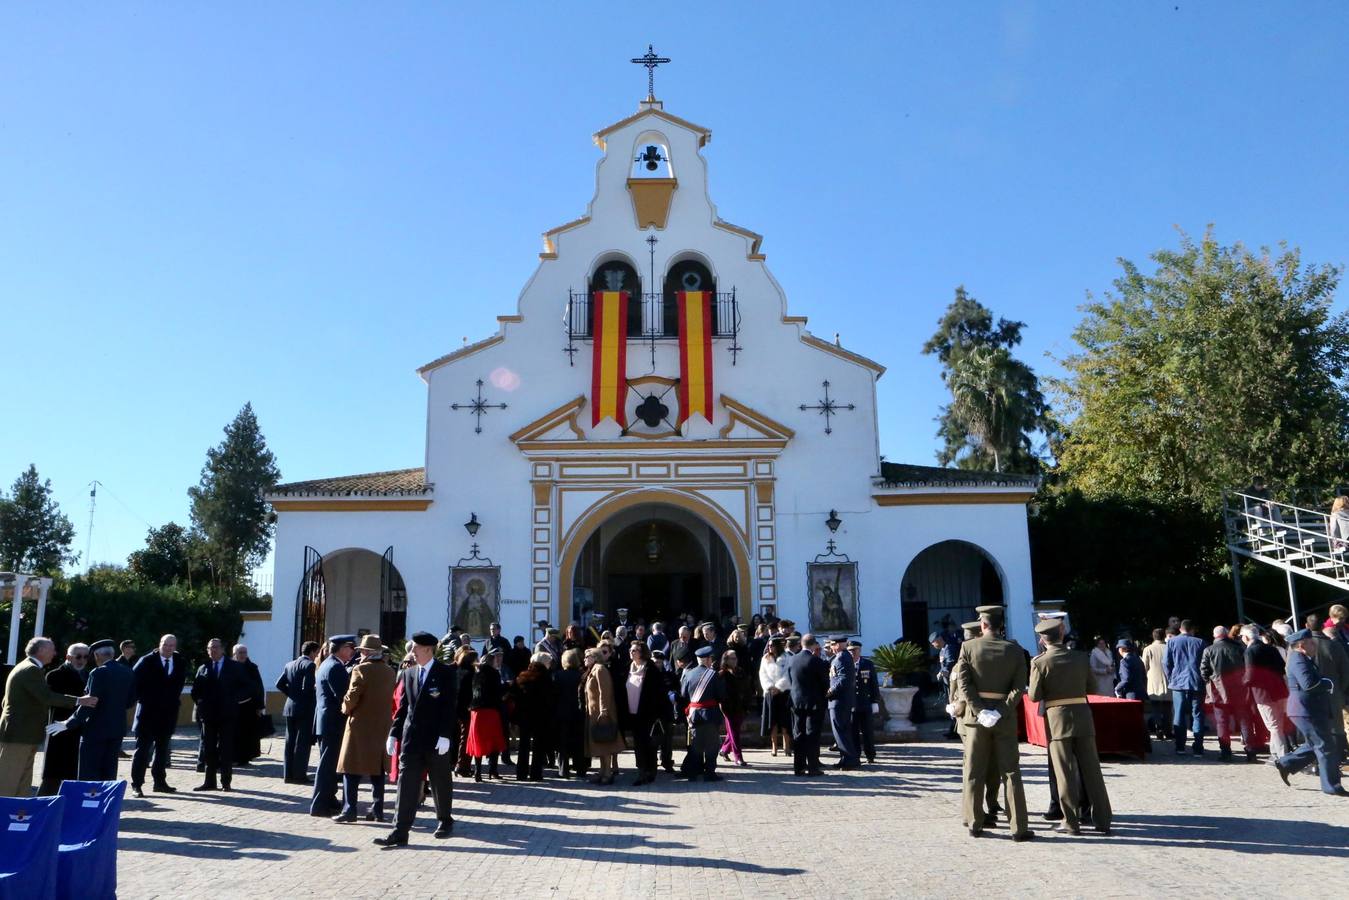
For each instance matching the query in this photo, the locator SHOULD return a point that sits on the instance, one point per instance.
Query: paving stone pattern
(1182, 826)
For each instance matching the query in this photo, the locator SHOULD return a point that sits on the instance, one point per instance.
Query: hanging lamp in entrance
(653, 545)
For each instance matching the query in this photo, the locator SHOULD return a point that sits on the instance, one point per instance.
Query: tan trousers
(983, 749)
(16, 769)
(1075, 757)
(1272, 715)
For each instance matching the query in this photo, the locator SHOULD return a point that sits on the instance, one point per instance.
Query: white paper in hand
(989, 717)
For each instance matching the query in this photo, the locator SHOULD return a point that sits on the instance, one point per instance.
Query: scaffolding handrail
(1290, 536)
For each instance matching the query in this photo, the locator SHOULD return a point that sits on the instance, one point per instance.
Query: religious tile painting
(832, 589)
(475, 598)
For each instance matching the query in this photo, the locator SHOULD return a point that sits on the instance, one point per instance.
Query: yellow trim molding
(744, 415)
(351, 504)
(704, 134)
(971, 498)
(567, 412)
(755, 239)
(256, 615)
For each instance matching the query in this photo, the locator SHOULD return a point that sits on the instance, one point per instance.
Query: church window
(686, 275)
(617, 275)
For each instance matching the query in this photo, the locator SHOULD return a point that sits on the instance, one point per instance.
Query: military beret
(424, 639)
(338, 640)
(703, 652)
(100, 645)
(933, 636)
(1049, 626)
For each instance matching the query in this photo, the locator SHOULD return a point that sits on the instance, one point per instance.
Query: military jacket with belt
(992, 675)
(1060, 680)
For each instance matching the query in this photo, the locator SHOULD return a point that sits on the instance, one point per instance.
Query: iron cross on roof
(651, 60)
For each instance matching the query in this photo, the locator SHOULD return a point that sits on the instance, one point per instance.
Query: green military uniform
(957, 700)
(992, 676)
(1060, 680)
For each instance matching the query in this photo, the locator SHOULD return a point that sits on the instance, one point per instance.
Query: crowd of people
(580, 696)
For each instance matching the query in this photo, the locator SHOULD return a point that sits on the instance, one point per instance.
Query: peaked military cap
(338, 640)
(1049, 626)
(99, 645)
(971, 626)
(702, 652)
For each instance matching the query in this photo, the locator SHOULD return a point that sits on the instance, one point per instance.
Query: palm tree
(983, 396)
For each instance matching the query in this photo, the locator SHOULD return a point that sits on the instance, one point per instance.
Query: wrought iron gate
(311, 608)
(393, 601)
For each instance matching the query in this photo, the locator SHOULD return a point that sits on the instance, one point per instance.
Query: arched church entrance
(943, 585)
(661, 559)
(351, 591)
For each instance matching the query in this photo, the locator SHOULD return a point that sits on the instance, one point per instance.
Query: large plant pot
(898, 704)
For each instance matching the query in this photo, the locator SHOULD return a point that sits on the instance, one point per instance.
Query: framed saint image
(475, 598)
(833, 604)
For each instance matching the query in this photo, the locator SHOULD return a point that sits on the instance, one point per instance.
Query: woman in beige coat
(601, 712)
(368, 706)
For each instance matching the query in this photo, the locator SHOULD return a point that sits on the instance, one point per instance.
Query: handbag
(604, 731)
(266, 727)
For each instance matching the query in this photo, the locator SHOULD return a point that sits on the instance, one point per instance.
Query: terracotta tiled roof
(905, 475)
(399, 481)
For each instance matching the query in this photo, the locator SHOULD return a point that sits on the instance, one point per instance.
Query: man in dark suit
(61, 761)
(102, 727)
(298, 682)
(330, 686)
(809, 677)
(424, 726)
(842, 699)
(1309, 708)
(218, 689)
(160, 676)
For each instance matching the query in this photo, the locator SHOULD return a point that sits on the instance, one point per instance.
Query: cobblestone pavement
(1181, 826)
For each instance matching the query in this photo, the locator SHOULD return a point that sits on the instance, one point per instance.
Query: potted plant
(896, 662)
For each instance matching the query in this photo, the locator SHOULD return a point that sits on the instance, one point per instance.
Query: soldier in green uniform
(1060, 680)
(956, 708)
(992, 678)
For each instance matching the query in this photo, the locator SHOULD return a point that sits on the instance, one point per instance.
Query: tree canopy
(35, 535)
(996, 404)
(1220, 365)
(166, 557)
(227, 505)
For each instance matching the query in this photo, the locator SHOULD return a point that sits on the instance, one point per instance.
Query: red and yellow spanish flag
(609, 376)
(695, 354)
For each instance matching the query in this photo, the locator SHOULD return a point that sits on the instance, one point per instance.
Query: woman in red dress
(486, 737)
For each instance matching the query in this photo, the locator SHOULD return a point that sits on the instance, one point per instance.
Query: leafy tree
(165, 558)
(34, 534)
(227, 504)
(1220, 365)
(996, 403)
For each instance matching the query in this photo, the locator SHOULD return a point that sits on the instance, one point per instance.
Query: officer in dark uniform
(842, 701)
(102, 727)
(703, 690)
(868, 702)
(671, 683)
(329, 722)
(298, 682)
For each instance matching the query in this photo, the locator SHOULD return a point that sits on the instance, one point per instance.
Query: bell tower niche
(652, 180)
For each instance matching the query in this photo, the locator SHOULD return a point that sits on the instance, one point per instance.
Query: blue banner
(89, 839)
(30, 830)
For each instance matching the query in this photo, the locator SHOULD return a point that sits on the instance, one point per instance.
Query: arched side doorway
(351, 591)
(701, 564)
(944, 583)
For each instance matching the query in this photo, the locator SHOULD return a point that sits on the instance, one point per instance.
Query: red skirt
(485, 736)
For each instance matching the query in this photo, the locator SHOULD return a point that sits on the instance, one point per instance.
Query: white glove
(390, 746)
(875, 708)
(950, 709)
(57, 727)
(989, 717)
(443, 746)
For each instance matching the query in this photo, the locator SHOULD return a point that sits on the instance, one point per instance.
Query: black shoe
(396, 839)
(670, 768)
(990, 820)
(871, 760)
(1054, 815)
(122, 754)
(1065, 828)
(815, 773)
(1023, 836)
(137, 792)
(224, 786)
(1338, 792)
(1283, 773)
(1103, 832)
(976, 832)
(645, 779)
(444, 830)
(1197, 753)
(206, 787)
(164, 789)
(345, 818)
(375, 815)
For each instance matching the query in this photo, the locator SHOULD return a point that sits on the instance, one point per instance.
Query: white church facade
(649, 429)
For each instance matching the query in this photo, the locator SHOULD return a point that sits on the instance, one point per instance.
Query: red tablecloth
(1119, 725)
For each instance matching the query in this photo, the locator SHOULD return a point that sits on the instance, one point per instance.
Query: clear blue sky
(297, 204)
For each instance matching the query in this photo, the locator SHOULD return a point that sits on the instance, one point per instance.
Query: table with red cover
(1119, 725)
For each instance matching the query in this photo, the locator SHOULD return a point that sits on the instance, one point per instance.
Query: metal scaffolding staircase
(1297, 540)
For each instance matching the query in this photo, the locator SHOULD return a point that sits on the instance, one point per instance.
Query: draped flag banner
(695, 354)
(88, 852)
(609, 375)
(30, 831)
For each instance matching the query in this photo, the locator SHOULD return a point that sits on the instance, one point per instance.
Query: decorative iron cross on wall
(827, 407)
(478, 407)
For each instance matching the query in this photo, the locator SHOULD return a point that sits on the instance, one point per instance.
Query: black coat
(220, 698)
(533, 696)
(487, 689)
(62, 759)
(653, 702)
(809, 676)
(1265, 673)
(298, 682)
(567, 696)
(159, 694)
(422, 718)
(115, 688)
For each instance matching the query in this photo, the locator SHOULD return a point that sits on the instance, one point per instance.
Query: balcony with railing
(652, 318)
